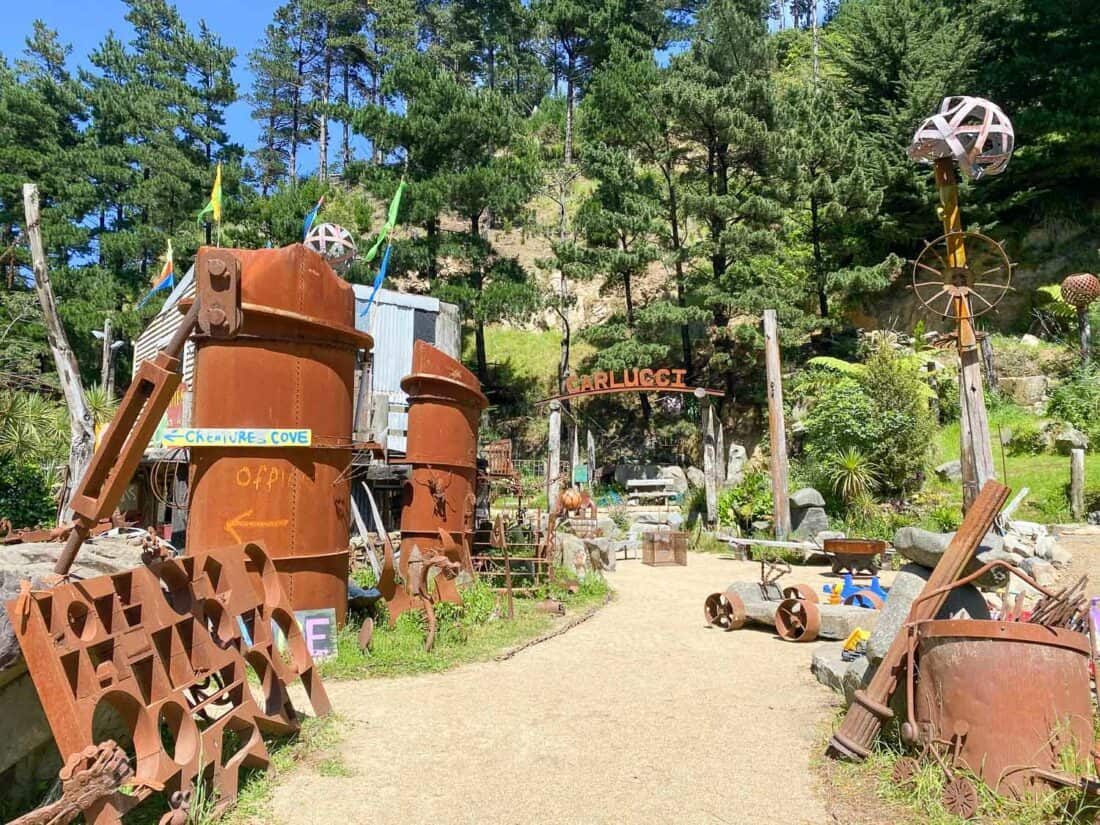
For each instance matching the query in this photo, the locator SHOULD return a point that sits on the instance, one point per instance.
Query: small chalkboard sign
(318, 629)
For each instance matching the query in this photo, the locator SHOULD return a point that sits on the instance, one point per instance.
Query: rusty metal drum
(290, 367)
(445, 404)
(1012, 696)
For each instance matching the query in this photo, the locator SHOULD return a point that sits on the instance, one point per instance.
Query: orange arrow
(242, 520)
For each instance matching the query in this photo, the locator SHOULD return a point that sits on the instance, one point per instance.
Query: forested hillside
(679, 166)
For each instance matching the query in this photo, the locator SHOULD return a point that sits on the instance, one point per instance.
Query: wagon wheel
(905, 771)
(982, 281)
(960, 797)
(725, 611)
(800, 591)
(797, 620)
(865, 598)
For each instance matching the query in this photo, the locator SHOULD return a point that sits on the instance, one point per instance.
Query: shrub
(24, 494)
(1077, 400)
(747, 502)
(851, 473)
(1027, 439)
(884, 413)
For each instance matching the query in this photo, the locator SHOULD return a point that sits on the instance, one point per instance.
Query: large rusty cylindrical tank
(1014, 695)
(291, 366)
(445, 404)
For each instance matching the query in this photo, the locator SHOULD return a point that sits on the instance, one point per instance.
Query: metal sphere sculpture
(1081, 289)
(334, 243)
(972, 130)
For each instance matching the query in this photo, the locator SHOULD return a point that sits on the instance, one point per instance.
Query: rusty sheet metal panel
(1013, 697)
(291, 366)
(162, 646)
(445, 404)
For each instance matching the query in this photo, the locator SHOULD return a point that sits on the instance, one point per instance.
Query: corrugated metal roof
(164, 323)
(389, 296)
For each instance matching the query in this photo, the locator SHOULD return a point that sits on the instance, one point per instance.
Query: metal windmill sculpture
(961, 275)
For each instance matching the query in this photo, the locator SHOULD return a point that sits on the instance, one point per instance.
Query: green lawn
(1046, 475)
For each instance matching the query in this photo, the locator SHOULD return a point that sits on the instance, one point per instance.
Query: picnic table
(649, 488)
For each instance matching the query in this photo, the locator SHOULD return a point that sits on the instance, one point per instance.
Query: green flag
(391, 222)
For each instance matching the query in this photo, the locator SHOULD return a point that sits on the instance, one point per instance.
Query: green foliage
(851, 473)
(746, 502)
(24, 494)
(866, 518)
(884, 413)
(1077, 400)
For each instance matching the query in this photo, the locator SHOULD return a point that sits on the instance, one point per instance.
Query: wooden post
(777, 431)
(553, 461)
(575, 456)
(710, 474)
(591, 461)
(106, 374)
(975, 449)
(720, 450)
(1077, 483)
(1084, 331)
(81, 425)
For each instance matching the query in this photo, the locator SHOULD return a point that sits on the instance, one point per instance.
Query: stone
(1014, 543)
(677, 477)
(1068, 438)
(607, 526)
(735, 465)
(907, 585)
(825, 535)
(1027, 390)
(926, 548)
(950, 471)
(572, 553)
(1060, 557)
(857, 677)
(1030, 340)
(696, 477)
(601, 554)
(626, 472)
(806, 497)
(1042, 571)
(828, 668)
(1044, 546)
(1027, 529)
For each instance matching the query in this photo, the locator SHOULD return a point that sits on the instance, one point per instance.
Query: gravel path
(640, 715)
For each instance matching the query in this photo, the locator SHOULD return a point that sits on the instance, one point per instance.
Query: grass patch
(474, 632)
(528, 355)
(920, 801)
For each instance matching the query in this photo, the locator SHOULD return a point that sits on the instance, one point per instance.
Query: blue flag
(311, 217)
(379, 278)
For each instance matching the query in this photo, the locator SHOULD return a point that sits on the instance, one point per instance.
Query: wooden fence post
(777, 430)
(710, 473)
(553, 462)
(1077, 483)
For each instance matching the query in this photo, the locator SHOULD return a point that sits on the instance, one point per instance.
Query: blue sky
(84, 23)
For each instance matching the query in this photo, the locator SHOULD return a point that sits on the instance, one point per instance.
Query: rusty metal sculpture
(290, 364)
(170, 646)
(971, 131)
(1080, 291)
(437, 513)
(861, 726)
(86, 778)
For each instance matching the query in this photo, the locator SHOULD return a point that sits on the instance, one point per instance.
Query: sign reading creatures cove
(629, 380)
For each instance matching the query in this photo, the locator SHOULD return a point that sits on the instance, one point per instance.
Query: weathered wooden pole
(710, 473)
(575, 456)
(777, 431)
(591, 461)
(106, 374)
(720, 449)
(553, 460)
(975, 449)
(1077, 483)
(81, 424)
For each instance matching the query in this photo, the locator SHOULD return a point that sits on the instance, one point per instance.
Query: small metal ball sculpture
(334, 243)
(972, 130)
(1081, 289)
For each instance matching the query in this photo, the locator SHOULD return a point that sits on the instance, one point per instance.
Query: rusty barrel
(445, 404)
(291, 367)
(1017, 694)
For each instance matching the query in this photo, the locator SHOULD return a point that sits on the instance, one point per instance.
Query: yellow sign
(230, 437)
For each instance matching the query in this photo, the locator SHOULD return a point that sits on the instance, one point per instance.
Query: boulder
(571, 553)
(1027, 390)
(857, 677)
(808, 516)
(926, 548)
(607, 526)
(601, 553)
(1029, 340)
(695, 477)
(1044, 546)
(1027, 529)
(1042, 571)
(1014, 543)
(626, 472)
(950, 471)
(907, 585)
(677, 477)
(735, 465)
(1069, 438)
(828, 668)
(1060, 557)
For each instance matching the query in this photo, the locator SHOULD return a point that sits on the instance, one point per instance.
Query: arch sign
(646, 379)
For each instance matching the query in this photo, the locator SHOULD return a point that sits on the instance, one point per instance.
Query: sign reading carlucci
(629, 380)
(232, 437)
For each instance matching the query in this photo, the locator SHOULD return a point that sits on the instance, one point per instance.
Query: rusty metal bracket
(218, 292)
(170, 647)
